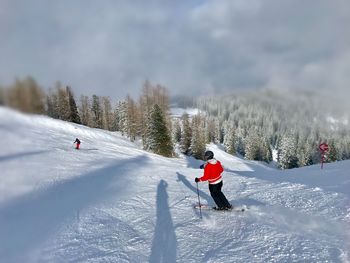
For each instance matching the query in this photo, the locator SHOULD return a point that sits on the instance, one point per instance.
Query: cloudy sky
(110, 47)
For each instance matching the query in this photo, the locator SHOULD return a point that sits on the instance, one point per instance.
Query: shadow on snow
(203, 195)
(20, 155)
(164, 241)
(29, 220)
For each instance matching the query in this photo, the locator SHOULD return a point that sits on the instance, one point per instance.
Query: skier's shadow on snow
(249, 202)
(88, 149)
(28, 221)
(164, 241)
(203, 195)
(192, 162)
(20, 155)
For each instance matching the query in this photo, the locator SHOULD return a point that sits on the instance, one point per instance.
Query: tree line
(289, 126)
(256, 126)
(147, 119)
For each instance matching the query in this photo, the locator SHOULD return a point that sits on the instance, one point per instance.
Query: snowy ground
(112, 202)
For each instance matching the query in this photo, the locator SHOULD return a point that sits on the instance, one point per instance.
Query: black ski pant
(219, 198)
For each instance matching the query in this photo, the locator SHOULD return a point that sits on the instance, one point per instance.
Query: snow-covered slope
(112, 202)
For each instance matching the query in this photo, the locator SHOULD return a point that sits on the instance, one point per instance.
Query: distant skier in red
(77, 141)
(212, 174)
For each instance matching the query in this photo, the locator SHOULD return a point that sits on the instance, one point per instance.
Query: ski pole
(199, 202)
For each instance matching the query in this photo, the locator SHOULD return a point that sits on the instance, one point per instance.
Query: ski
(234, 209)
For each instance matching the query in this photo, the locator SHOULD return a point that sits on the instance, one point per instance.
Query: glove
(196, 180)
(202, 166)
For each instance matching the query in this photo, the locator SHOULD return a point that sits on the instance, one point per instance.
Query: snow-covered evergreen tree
(51, 105)
(219, 132)
(210, 130)
(274, 116)
(240, 140)
(63, 103)
(305, 153)
(73, 110)
(115, 121)
(198, 142)
(123, 117)
(35, 96)
(132, 118)
(287, 152)
(186, 134)
(107, 115)
(332, 154)
(176, 131)
(230, 140)
(2, 96)
(252, 146)
(85, 111)
(344, 149)
(265, 150)
(96, 111)
(157, 134)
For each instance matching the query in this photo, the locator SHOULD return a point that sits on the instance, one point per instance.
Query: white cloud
(192, 47)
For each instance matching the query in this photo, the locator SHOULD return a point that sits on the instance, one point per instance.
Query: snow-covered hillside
(112, 202)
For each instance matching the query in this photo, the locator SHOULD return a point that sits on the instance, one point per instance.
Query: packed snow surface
(113, 202)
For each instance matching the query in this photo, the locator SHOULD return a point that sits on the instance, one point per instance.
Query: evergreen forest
(264, 125)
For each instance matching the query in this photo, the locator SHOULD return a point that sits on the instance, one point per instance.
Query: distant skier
(212, 174)
(77, 141)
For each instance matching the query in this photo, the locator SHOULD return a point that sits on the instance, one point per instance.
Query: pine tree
(15, 95)
(230, 140)
(73, 110)
(240, 141)
(198, 142)
(2, 96)
(52, 105)
(305, 155)
(150, 96)
(265, 150)
(123, 117)
(132, 118)
(96, 112)
(115, 121)
(157, 134)
(63, 103)
(176, 131)
(287, 154)
(219, 132)
(186, 134)
(344, 149)
(145, 103)
(85, 111)
(252, 146)
(332, 154)
(106, 110)
(26, 96)
(35, 96)
(49, 107)
(210, 131)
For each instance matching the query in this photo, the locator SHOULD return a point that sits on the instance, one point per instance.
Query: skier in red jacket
(77, 141)
(212, 174)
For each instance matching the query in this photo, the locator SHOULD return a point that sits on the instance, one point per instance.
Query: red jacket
(212, 172)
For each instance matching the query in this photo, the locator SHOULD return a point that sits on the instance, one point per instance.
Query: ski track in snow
(113, 202)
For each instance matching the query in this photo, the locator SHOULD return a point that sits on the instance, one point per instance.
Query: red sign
(324, 147)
